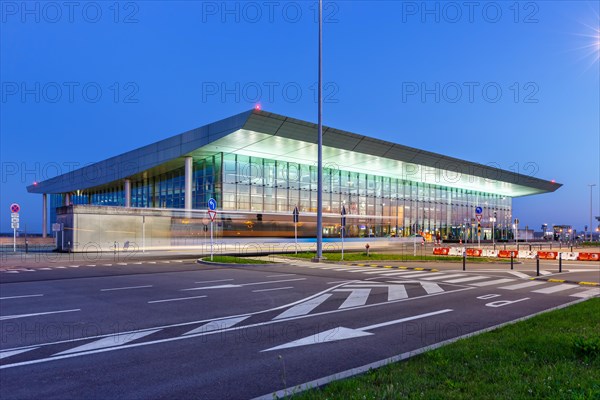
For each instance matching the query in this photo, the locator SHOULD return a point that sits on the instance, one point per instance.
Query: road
(177, 329)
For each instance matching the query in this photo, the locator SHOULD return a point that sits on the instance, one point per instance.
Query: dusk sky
(513, 85)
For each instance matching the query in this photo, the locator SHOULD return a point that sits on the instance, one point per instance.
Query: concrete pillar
(67, 199)
(44, 215)
(189, 176)
(127, 193)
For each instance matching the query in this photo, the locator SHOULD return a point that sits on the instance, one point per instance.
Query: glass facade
(375, 205)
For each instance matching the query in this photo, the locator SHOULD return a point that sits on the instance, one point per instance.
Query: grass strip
(235, 260)
(555, 355)
(394, 257)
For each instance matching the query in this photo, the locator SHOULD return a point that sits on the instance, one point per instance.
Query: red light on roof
(257, 107)
(34, 183)
(553, 181)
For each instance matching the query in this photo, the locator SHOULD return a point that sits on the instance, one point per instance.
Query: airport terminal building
(259, 166)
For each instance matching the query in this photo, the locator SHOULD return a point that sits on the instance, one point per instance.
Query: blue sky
(513, 84)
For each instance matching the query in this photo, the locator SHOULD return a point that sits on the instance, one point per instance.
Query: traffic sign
(15, 208)
(296, 214)
(478, 210)
(212, 204)
(343, 216)
(212, 215)
(478, 217)
(14, 225)
(56, 227)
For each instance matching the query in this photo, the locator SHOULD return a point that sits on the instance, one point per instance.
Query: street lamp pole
(591, 191)
(320, 143)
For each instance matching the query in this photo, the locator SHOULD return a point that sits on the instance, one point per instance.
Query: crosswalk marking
(545, 273)
(109, 341)
(518, 274)
(494, 282)
(468, 279)
(397, 292)
(304, 308)
(587, 293)
(431, 288)
(523, 285)
(357, 297)
(555, 288)
(434, 278)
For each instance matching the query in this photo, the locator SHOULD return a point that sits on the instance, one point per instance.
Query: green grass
(552, 356)
(394, 257)
(235, 260)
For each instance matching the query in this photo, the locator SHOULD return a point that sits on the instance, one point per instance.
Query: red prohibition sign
(14, 207)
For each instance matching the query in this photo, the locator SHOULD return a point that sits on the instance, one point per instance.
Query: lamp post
(591, 191)
(319, 255)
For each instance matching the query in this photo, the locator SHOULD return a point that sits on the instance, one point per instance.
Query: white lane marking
(137, 263)
(268, 290)
(545, 272)
(173, 339)
(109, 341)
(218, 325)
(431, 288)
(341, 333)
(587, 293)
(357, 297)
(523, 285)
(12, 272)
(126, 287)
(46, 269)
(468, 279)
(396, 292)
(91, 265)
(107, 265)
(73, 266)
(121, 263)
(227, 286)
(4, 317)
(494, 282)
(20, 297)
(166, 262)
(8, 353)
(176, 299)
(151, 262)
(434, 278)
(60, 267)
(303, 308)
(424, 274)
(333, 283)
(379, 271)
(278, 275)
(177, 261)
(518, 274)
(555, 288)
(218, 280)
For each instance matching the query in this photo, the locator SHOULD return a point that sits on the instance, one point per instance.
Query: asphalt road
(176, 329)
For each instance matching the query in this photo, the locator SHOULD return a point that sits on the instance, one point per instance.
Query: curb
(218, 264)
(582, 283)
(392, 267)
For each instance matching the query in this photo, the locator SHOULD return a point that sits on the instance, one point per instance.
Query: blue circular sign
(478, 210)
(212, 204)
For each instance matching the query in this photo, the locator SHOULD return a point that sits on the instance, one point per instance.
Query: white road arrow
(342, 333)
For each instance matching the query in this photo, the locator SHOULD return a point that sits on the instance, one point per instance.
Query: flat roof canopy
(262, 134)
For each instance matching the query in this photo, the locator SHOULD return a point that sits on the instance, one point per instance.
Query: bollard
(512, 253)
(26, 246)
(537, 264)
(367, 248)
(464, 260)
(559, 262)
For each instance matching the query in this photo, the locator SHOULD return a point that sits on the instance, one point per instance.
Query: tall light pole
(320, 143)
(591, 191)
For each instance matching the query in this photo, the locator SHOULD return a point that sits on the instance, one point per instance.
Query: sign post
(14, 223)
(343, 228)
(478, 212)
(296, 215)
(212, 213)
